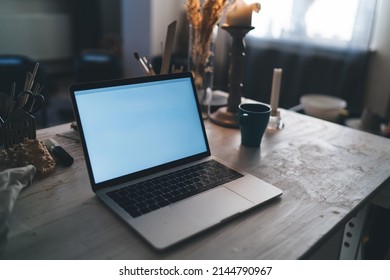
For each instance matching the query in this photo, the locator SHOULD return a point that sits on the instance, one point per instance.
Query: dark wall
(86, 21)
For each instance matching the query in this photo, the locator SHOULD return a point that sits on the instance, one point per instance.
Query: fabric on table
(12, 181)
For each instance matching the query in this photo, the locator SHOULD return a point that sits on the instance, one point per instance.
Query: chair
(97, 65)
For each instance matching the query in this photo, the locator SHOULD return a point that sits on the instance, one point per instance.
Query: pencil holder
(18, 126)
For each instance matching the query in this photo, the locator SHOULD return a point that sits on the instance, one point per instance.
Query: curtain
(335, 23)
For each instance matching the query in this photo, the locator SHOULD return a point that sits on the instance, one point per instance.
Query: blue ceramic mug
(253, 120)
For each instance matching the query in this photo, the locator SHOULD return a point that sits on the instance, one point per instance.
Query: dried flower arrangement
(203, 18)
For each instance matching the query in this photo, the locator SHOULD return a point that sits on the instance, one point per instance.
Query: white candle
(276, 80)
(240, 13)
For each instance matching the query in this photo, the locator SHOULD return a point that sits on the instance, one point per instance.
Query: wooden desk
(327, 172)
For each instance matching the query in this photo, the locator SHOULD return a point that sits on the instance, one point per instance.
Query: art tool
(32, 78)
(12, 100)
(166, 60)
(149, 65)
(142, 63)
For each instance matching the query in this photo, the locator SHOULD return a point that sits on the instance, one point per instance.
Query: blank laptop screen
(134, 127)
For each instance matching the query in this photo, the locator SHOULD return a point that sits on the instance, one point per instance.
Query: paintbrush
(149, 65)
(12, 99)
(34, 74)
(142, 63)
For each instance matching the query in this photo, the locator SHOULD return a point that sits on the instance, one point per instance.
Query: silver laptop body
(134, 130)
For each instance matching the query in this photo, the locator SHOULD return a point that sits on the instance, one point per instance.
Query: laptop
(149, 160)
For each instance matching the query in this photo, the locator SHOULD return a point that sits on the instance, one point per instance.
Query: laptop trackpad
(211, 207)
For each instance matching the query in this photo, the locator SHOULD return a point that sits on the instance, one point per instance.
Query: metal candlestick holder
(228, 115)
(275, 121)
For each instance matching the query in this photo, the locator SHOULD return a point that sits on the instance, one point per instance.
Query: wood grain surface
(327, 172)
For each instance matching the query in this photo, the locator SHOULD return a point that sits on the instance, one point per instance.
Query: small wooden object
(30, 151)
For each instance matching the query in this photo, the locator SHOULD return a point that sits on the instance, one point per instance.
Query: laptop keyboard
(150, 195)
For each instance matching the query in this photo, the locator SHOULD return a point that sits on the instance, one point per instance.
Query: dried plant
(203, 18)
(193, 12)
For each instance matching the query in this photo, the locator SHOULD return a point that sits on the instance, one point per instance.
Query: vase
(201, 64)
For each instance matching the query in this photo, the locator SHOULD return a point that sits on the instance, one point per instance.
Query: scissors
(30, 102)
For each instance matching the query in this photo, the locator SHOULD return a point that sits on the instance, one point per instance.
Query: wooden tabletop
(327, 172)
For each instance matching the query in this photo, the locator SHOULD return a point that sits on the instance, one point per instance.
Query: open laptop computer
(149, 160)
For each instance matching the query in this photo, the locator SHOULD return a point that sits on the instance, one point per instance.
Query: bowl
(322, 106)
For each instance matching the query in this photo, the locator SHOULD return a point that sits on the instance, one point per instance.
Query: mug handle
(243, 119)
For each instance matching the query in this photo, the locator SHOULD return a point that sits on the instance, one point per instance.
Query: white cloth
(12, 181)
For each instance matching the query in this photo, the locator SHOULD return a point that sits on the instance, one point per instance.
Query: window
(337, 23)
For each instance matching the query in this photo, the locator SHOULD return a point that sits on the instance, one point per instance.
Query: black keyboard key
(177, 198)
(163, 202)
(145, 210)
(130, 208)
(134, 214)
(154, 206)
